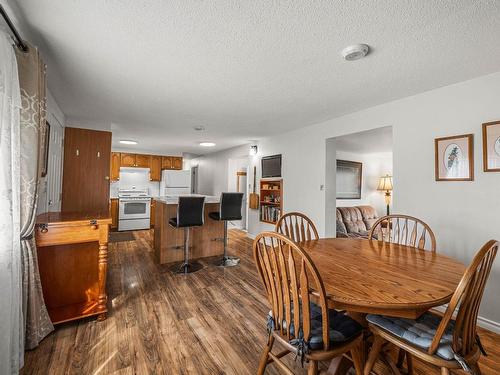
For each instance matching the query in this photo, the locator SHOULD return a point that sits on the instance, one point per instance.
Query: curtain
(31, 70)
(11, 331)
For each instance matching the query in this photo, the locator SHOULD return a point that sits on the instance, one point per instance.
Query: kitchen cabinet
(115, 166)
(142, 161)
(86, 170)
(127, 160)
(155, 168)
(113, 209)
(177, 162)
(171, 162)
(152, 218)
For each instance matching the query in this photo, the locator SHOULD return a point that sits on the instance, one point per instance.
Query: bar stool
(230, 209)
(190, 213)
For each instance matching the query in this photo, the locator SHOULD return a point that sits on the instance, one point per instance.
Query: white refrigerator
(175, 182)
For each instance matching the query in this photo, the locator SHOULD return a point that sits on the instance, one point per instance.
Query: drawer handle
(93, 224)
(43, 228)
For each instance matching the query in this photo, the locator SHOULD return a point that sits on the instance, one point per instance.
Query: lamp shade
(385, 183)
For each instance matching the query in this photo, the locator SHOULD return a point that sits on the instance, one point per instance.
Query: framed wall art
(348, 181)
(454, 159)
(491, 146)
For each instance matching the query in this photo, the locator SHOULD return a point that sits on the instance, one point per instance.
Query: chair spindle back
(297, 226)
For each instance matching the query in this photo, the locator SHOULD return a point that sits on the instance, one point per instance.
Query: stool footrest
(229, 261)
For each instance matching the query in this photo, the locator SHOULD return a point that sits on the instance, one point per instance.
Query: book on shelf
(269, 213)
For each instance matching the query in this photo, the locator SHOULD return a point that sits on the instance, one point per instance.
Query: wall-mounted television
(271, 166)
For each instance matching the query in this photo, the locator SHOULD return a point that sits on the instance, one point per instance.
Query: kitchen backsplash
(130, 177)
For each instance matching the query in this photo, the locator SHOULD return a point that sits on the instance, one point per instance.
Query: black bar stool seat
(190, 213)
(229, 209)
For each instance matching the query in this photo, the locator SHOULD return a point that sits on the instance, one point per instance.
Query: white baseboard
(488, 324)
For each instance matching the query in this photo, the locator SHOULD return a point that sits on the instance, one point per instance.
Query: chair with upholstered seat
(190, 213)
(441, 341)
(297, 226)
(300, 318)
(404, 230)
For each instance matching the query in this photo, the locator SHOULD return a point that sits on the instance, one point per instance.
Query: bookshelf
(271, 200)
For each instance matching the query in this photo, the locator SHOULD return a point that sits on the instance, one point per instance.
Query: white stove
(134, 209)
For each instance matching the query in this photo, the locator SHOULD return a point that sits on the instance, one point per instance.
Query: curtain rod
(19, 41)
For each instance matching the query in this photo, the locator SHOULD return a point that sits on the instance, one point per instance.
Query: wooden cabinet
(127, 160)
(155, 169)
(86, 170)
(142, 161)
(152, 216)
(72, 259)
(113, 209)
(166, 162)
(171, 162)
(115, 166)
(177, 162)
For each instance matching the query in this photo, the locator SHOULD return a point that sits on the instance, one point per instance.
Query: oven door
(134, 209)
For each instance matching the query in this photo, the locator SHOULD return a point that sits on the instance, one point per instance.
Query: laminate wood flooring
(209, 322)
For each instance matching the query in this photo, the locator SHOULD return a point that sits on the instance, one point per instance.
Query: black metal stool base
(229, 261)
(185, 268)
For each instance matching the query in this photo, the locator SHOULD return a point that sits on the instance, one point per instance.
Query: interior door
(241, 187)
(86, 170)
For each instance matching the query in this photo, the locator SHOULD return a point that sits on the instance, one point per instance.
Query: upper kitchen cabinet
(155, 169)
(115, 166)
(177, 162)
(171, 162)
(142, 161)
(86, 170)
(127, 160)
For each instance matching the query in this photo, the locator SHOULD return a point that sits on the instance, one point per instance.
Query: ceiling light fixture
(199, 128)
(253, 150)
(207, 144)
(128, 142)
(355, 52)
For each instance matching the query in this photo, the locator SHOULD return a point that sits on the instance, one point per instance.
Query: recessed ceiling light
(207, 144)
(128, 142)
(355, 52)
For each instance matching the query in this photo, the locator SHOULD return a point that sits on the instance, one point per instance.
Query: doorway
(194, 180)
(237, 173)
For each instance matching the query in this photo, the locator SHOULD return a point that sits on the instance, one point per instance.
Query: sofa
(355, 221)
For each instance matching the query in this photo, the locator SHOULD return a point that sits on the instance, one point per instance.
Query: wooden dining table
(373, 277)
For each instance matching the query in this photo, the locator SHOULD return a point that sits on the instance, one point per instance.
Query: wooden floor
(210, 322)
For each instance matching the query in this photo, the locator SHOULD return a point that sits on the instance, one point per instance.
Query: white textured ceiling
(151, 70)
(367, 142)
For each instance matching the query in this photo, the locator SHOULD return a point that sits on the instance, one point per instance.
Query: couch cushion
(369, 215)
(342, 327)
(351, 216)
(341, 229)
(419, 332)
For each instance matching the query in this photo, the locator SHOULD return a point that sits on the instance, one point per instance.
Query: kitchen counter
(204, 241)
(174, 199)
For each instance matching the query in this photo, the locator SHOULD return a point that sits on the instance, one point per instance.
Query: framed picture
(455, 158)
(348, 181)
(45, 152)
(491, 146)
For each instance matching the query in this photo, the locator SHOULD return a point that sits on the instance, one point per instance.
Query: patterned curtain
(11, 332)
(31, 69)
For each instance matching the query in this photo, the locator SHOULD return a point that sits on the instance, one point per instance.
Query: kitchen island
(204, 241)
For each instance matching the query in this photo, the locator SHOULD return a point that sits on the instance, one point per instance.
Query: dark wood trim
(485, 148)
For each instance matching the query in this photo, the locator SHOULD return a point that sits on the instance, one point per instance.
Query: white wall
(213, 169)
(374, 166)
(464, 215)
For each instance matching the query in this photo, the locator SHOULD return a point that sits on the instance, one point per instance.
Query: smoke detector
(355, 52)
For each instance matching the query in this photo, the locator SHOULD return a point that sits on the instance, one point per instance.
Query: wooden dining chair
(441, 341)
(300, 318)
(404, 230)
(297, 226)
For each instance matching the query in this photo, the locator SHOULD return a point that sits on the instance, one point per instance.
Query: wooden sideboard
(72, 253)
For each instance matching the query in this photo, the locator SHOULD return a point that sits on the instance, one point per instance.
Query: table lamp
(385, 184)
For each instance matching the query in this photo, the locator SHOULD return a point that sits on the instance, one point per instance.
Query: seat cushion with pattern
(351, 216)
(418, 332)
(342, 327)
